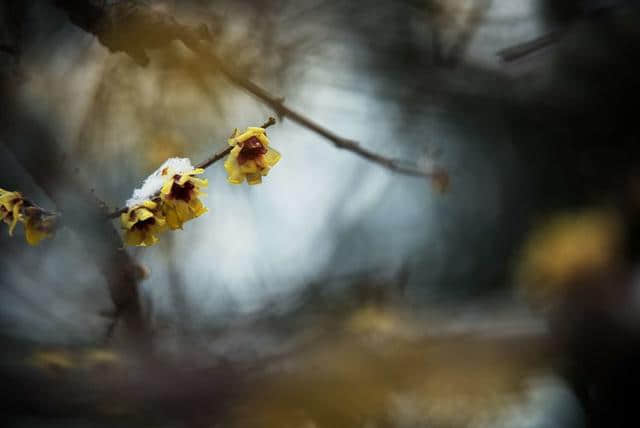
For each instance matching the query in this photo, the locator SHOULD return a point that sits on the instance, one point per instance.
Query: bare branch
(113, 23)
(521, 50)
(277, 104)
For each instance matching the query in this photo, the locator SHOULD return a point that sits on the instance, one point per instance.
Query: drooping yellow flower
(142, 224)
(11, 204)
(251, 157)
(180, 195)
(38, 225)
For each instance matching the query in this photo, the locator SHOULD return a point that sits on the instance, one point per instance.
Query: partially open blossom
(251, 157)
(143, 223)
(180, 195)
(11, 204)
(38, 225)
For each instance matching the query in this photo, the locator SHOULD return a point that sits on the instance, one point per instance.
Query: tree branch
(133, 28)
(521, 50)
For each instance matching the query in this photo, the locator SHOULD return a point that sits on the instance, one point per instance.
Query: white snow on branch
(153, 183)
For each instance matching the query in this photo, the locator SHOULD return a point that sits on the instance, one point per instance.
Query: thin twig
(277, 104)
(204, 164)
(521, 50)
(28, 203)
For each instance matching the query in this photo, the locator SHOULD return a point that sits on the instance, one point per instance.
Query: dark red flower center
(5, 213)
(182, 193)
(142, 225)
(252, 149)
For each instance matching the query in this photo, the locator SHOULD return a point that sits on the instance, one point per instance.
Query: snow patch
(154, 182)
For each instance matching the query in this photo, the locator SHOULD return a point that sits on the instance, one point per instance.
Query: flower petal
(272, 157)
(34, 235)
(133, 237)
(166, 187)
(172, 219)
(255, 178)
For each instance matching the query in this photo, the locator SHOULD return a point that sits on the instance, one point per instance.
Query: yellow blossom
(37, 225)
(251, 156)
(565, 250)
(180, 195)
(142, 223)
(11, 204)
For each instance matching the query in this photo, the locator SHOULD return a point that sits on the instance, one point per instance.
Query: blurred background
(337, 293)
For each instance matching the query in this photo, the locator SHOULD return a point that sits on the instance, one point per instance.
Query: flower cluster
(169, 207)
(251, 157)
(166, 200)
(171, 196)
(38, 224)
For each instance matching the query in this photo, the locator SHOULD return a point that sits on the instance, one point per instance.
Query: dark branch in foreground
(133, 28)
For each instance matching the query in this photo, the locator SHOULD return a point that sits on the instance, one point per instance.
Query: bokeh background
(337, 293)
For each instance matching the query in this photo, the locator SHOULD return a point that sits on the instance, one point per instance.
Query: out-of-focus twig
(591, 10)
(521, 50)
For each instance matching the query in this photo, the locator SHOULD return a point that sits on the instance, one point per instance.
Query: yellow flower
(11, 204)
(142, 223)
(180, 196)
(251, 157)
(567, 249)
(38, 225)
